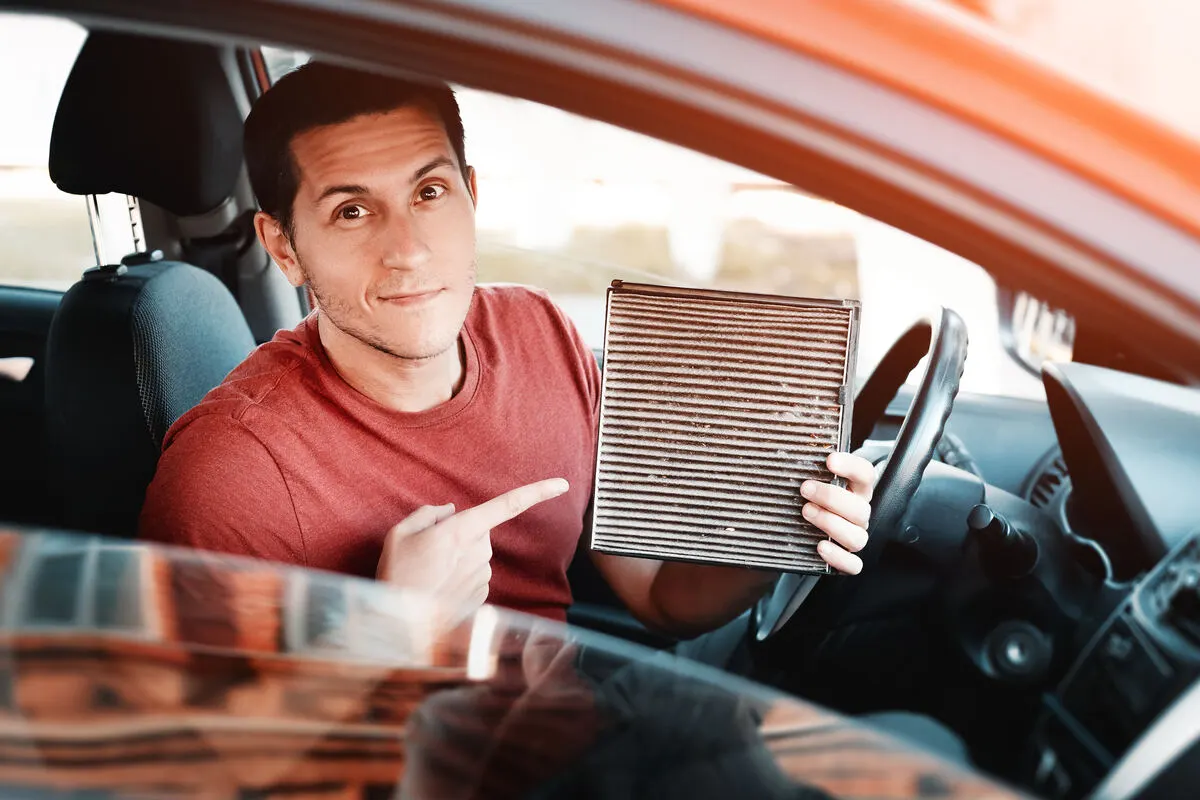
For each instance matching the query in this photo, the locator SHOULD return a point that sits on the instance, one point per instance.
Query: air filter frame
(799, 556)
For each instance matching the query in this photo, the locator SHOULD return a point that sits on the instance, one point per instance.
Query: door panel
(25, 316)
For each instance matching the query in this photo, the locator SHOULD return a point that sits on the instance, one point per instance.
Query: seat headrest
(152, 118)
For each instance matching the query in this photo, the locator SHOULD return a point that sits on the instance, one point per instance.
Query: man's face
(384, 231)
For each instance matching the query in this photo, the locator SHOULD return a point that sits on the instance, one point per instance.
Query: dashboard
(1132, 448)
(1111, 460)
(1125, 720)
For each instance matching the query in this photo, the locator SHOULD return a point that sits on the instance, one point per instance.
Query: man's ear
(276, 242)
(473, 186)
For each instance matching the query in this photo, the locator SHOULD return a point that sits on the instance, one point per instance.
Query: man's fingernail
(560, 485)
(809, 511)
(808, 488)
(834, 461)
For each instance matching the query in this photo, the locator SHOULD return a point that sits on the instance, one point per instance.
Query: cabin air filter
(715, 407)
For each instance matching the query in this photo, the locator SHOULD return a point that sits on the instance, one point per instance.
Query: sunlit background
(570, 204)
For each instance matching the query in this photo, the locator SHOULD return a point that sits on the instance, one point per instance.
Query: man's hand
(842, 513)
(448, 555)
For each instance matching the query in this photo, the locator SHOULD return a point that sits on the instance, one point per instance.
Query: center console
(1128, 712)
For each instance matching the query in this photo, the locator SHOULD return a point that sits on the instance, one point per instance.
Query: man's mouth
(409, 298)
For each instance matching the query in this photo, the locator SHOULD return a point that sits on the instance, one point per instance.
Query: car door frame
(890, 154)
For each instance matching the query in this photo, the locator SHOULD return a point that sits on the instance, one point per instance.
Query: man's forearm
(690, 599)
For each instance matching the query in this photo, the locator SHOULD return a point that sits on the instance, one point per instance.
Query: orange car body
(948, 61)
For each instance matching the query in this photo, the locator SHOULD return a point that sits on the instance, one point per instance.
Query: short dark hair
(317, 94)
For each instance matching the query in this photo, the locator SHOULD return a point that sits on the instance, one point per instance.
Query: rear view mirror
(1032, 331)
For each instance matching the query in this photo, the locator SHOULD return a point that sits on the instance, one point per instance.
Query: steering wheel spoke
(789, 594)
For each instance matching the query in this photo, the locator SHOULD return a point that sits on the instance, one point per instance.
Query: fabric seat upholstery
(127, 355)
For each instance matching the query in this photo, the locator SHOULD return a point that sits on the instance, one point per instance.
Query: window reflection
(78, 582)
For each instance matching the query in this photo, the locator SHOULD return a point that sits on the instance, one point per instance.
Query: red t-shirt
(285, 461)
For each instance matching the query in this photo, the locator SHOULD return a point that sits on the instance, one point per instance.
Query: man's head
(366, 197)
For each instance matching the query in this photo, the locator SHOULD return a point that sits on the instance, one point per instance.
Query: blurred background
(569, 204)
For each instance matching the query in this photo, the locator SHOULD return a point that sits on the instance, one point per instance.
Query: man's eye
(431, 192)
(351, 212)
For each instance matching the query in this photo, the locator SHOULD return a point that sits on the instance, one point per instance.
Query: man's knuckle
(514, 505)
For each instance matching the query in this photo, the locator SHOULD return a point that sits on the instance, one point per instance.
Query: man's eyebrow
(342, 189)
(354, 188)
(440, 161)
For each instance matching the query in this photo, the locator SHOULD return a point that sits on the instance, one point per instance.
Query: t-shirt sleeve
(585, 359)
(217, 487)
(592, 372)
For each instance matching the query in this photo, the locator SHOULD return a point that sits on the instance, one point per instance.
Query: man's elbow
(661, 618)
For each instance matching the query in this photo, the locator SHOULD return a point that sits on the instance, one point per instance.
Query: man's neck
(408, 385)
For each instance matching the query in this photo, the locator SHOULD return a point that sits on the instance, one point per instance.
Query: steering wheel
(944, 337)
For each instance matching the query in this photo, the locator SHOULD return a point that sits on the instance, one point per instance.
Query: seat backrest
(130, 350)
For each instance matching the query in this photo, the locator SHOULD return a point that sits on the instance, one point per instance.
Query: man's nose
(403, 245)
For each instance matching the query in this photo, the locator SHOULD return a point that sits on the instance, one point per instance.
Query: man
(415, 427)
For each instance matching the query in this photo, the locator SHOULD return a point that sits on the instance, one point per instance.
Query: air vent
(1048, 482)
(715, 407)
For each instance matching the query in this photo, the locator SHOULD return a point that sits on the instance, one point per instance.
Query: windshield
(129, 668)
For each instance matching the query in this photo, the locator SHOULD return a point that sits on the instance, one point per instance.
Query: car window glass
(45, 235)
(45, 606)
(502, 700)
(570, 204)
(79, 582)
(118, 606)
(325, 612)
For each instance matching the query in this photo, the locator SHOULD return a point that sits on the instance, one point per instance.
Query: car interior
(1039, 588)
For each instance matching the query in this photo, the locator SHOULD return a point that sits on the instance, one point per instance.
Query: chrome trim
(1170, 736)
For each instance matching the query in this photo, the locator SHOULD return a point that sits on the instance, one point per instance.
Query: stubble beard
(338, 314)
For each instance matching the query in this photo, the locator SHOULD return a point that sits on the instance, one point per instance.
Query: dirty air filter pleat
(715, 407)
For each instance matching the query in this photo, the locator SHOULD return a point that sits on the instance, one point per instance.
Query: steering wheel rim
(919, 434)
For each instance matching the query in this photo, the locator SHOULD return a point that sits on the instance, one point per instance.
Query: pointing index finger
(501, 509)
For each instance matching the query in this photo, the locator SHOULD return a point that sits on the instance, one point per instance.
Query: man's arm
(690, 599)
(217, 487)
